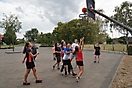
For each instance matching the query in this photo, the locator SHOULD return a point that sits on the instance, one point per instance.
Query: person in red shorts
(29, 63)
(79, 58)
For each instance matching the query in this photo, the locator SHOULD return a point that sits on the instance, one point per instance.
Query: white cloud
(44, 14)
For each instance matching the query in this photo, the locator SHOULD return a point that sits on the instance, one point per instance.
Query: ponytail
(25, 47)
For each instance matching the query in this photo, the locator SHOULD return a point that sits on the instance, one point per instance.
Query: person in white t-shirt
(73, 47)
(76, 43)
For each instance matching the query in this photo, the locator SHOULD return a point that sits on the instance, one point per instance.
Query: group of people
(64, 52)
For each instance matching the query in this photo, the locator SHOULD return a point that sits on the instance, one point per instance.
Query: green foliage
(31, 35)
(123, 14)
(109, 40)
(10, 37)
(75, 29)
(45, 39)
(122, 40)
(11, 25)
(130, 50)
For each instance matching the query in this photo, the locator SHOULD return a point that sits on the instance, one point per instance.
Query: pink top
(53, 49)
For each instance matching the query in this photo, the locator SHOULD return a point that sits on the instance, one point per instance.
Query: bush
(129, 50)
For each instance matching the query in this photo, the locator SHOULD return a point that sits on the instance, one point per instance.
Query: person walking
(29, 63)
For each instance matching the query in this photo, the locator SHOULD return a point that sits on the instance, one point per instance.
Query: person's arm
(32, 54)
(24, 59)
(68, 52)
(82, 41)
(99, 50)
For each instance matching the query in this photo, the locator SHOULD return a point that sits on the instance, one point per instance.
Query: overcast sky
(44, 14)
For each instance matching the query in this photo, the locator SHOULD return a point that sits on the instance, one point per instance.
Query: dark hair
(55, 44)
(62, 44)
(76, 50)
(25, 47)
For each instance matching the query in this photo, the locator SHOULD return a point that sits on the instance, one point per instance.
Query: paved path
(96, 75)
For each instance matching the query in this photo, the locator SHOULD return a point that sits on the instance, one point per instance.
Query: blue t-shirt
(67, 56)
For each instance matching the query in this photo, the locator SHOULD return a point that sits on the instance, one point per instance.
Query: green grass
(117, 47)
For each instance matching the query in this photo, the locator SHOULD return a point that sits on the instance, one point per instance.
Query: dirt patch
(123, 77)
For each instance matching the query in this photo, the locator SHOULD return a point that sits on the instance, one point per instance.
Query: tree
(32, 35)
(123, 14)
(109, 40)
(45, 39)
(11, 25)
(77, 28)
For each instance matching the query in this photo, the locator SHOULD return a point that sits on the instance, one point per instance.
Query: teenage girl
(96, 52)
(29, 63)
(79, 58)
(58, 57)
(67, 61)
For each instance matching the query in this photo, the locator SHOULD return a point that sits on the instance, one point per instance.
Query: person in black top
(29, 63)
(58, 56)
(96, 52)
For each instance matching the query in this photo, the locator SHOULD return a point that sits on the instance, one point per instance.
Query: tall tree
(32, 35)
(123, 14)
(11, 25)
(76, 29)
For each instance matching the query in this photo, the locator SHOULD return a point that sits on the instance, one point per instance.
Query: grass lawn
(114, 47)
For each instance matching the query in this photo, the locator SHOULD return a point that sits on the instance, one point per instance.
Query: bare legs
(81, 69)
(34, 73)
(26, 74)
(95, 58)
(80, 72)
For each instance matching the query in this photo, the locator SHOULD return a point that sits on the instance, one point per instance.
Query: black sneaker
(65, 73)
(26, 83)
(94, 61)
(58, 68)
(54, 58)
(53, 67)
(74, 75)
(39, 81)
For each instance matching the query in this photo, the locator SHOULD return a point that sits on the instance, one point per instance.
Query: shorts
(58, 59)
(80, 63)
(30, 65)
(97, 53)
(66, 62)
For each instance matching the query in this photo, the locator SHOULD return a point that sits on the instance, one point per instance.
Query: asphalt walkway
(96, 75)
